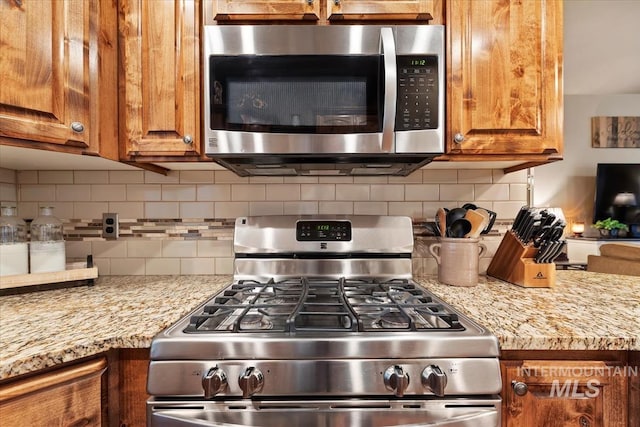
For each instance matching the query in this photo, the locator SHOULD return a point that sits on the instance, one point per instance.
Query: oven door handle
(388, 48)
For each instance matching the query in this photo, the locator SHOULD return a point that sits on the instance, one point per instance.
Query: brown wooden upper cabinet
(504, 78)
(323, 11)
(159, 66)
(51, 93)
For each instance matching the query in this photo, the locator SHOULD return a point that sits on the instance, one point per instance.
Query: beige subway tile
(37, 193)
(144, 192)
(127, 210)
(517, 177)
(179, 248)
(61, 210)
(196, 210)
(109, 248)
(370, 208)
(172, 177)
(224, 265)
(474, 176)
(370, 179)
(78, 249)
(412, 209)
(27, 177)
(247, 192)
(126, 177)
(91, 177)
(161, 210)
(142, 248)
(8, 176)
(266, 179)
(266, 208)
(413, 178)
(283, 192)
(430, 209)
(317, 192)
(335, 208)
(425, 192)
(89, 210)
(439, 176)
(108, 192)
(231, 209)
(335, 179)
(459, 192)
(518, 192)
(127, 267)
(300, 179)
(213, 192)
(492, 192)
(227, 177)
(27, 210)
(506, 210)
(196, 177)
(300, 208)
(73, 192)
(178, 193)
(214, 248)
(55, 177)
(389, 192)
(354, 192)
(162, 266)
(8, 192)
(191, 266)
(104, 266)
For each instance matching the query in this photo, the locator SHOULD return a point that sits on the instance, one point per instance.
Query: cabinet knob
(458, 138)
(187, 139)
(309, 2)
(336, 2)
(77, 127)
(519, 388)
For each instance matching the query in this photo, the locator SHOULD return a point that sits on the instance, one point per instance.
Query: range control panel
(323, 231)
(417, 105)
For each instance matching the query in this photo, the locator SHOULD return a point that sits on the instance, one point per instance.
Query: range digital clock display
(323, 231)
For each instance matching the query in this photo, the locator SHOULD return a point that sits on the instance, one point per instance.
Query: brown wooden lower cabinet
(559, 389)
(67, 396)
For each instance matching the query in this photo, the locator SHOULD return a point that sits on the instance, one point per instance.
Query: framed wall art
(615, 132)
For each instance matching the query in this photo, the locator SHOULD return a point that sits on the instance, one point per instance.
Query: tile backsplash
(182, 223)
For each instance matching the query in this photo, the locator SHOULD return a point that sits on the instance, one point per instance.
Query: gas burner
(391, 319)
(254, 322)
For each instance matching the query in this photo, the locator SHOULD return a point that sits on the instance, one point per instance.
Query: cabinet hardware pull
(519, 388)
(336, 2)
(309, 2)
(77, 127)
(458, 138)
(187, 139)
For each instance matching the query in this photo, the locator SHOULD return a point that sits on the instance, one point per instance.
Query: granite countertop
(584, 311)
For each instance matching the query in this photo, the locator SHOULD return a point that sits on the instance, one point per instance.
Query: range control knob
(434, 379)
(251, 382)
(214, 382)
(396, 380)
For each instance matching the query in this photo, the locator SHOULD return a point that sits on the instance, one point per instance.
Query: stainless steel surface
(187, 139)
(458, 138)
(389, 152)
(257, 352)
(351, 412)
(77, 127)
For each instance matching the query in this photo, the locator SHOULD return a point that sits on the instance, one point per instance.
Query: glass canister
(14, 250)
(47, 251)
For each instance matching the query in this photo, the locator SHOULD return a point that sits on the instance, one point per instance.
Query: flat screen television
(618, 192)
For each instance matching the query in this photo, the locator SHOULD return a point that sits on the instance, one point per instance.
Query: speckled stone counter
(585, 311)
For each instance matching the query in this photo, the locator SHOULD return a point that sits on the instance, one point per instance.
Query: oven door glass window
(316, 94)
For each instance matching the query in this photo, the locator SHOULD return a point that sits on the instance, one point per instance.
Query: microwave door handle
(390, 88)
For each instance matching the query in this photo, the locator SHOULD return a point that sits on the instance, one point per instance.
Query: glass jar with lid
(47, 252)
(14, 251)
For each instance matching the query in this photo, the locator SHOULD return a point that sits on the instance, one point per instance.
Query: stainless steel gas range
(324, 326)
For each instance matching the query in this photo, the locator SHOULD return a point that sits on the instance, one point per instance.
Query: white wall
(601, 78)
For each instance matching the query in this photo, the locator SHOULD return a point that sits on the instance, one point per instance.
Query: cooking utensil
(478, 223)
(459, 228)
(454, 214)
(492, 219)
(441, 221)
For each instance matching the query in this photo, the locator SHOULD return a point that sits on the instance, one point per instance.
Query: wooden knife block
(514, 263)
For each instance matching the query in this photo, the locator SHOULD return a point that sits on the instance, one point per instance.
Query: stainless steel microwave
(323, 100)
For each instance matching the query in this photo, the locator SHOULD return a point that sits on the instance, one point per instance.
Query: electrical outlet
(110, 229)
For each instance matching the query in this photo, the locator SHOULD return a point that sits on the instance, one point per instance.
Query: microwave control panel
(417, 105)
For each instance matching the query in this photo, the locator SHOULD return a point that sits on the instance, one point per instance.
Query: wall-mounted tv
(618, 192)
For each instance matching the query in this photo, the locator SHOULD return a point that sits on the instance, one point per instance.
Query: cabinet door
(160, 78)
(384, 9)
(562, 393)
(287, 10)
(64, 397)
(505, 77)
(46, 65)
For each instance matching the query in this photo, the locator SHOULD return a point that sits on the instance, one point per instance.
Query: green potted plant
(611, 227)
